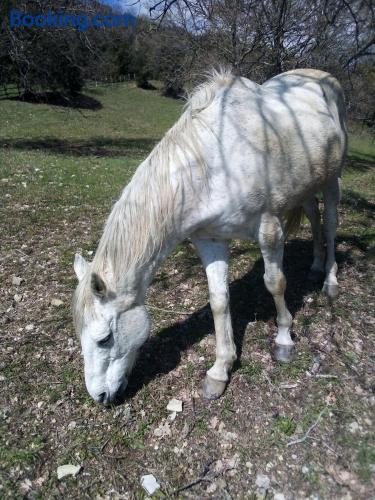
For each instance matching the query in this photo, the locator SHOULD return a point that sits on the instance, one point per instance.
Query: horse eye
(106, 340)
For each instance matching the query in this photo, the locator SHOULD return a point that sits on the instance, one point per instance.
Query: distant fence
(110, 80)
(11, 90)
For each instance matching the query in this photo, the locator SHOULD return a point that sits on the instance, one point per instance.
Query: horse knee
(276, 285)
(219, 302)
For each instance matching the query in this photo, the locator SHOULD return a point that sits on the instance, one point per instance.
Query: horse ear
(98, 287)
(80, 266)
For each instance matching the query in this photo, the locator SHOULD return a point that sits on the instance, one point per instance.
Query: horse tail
(293, 220)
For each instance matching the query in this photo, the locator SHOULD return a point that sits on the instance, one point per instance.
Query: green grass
(21, 455)
(285, 425)
(77, 161)
(251, 369)
(75, 164)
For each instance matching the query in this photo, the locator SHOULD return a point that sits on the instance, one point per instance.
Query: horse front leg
(215, 255)
(271, 242)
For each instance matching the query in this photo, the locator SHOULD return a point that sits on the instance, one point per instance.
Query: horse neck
(140, 232)
(139, 278)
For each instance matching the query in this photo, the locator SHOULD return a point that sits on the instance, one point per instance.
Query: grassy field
(60, 171)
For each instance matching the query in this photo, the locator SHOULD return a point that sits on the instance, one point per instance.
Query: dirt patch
(302, 430)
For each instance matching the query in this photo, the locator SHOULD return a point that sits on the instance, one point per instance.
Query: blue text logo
(81, 22)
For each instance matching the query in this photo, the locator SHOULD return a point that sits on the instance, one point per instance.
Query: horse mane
(144, 214)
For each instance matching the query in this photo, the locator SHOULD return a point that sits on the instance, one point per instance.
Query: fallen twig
(288, 386)
(193, 483)
(309, 430)
(200, 479)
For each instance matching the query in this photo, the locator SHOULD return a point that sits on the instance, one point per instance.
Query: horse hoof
(283, 353)
(213, 389)
(331, 291)
(315, 275)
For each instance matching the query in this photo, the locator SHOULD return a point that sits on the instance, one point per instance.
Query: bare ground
(307, 426)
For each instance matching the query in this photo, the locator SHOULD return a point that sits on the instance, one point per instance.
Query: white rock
(2, 378)
(172, 416)
(68, 470)
(163, 430)
(149, 484)
(213, 422)
(262, 481)
(16, 280)
(57, 303)
(353, 427)
(174, 405)
(305, 470)
(279, 496)
(29, 327)
(17, 298)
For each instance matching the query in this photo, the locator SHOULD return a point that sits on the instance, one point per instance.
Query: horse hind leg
(271, 241)
(331, 197)
(311, 209)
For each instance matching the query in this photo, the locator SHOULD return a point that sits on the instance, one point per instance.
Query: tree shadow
(94, 146)
(356, 201)
(74, 101)
(358, 160)
(249, 300)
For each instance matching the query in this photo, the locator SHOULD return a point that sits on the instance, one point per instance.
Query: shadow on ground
(74, 101)
(95, 146)
(249, 300)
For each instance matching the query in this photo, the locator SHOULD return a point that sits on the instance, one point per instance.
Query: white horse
(239, 163)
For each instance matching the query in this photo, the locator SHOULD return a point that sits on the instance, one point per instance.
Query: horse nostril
(102, 397)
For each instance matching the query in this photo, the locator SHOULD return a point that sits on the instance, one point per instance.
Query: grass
(60, 171)
(285, 425)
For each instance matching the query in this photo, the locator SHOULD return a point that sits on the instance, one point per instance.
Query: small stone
(174, 405)
(57, 303)
(213, 422)
(353, 427)
(305, 470)
(17, 298)
(262, 482)
(163, 430)
(172, 416)
(26, 486)
(2, 378)
(72, 425)
(68, 470)
(279, 496)
(16, 280)
(149, 484)
(29, 328)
